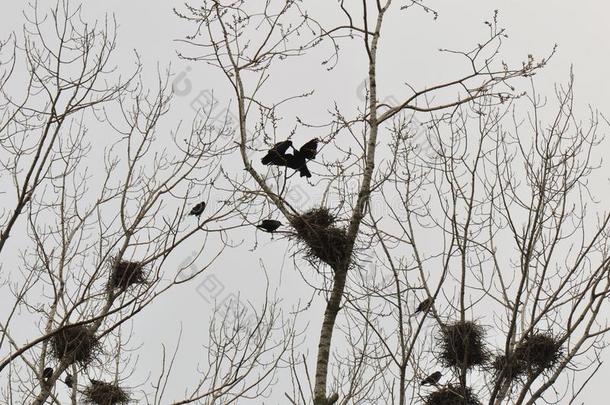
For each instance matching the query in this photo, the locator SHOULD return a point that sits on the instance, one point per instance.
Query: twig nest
(508, 367)
(103, 393)
(462, 345)
(126, 274)
(450, 395)
(75, 344)
(325, 242)
(539, 352)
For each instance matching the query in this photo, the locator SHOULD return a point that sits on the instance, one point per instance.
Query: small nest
(103, 393)
(539, 352)
(75, 344)
(324, 241)
(125, 274)
(461, 345)
(451, 395)
(508, 367)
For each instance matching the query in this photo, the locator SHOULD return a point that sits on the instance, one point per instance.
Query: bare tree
(97, 191)
(470, 231)
(247, 347)
(452, 240)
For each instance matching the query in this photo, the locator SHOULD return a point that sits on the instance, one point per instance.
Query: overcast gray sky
(409, 51)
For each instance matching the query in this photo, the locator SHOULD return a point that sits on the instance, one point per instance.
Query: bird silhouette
(277, 154)
(310, 149)
(198, 209)
(424, 306)
(47, 373)
(298, 162)
(269, 225)
(69, 380)
(96, 383)
(432, 379)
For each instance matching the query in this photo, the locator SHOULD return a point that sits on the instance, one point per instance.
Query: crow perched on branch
(432, 379)
(277, 154)
(198, 209)
(269, 225)
(47, 373)
(424, 306)
(69, 381)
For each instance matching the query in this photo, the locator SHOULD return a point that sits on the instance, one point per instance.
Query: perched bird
(47, 373)
(310, 149)
(69, 381)
(298, 163)
(277, 154)
(432, 379)
(424, 306)
(198, 209)
(96, 383)
(269, 225)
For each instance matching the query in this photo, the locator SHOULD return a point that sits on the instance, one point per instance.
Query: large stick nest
(508, 367)
(451, 395)
(325, 242)
(75, 344)
(462, 345)
(126, 274)
(539, 352)
(104, 393)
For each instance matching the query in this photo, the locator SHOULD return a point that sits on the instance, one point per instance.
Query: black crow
(269, 225)
(197, 209)
(298, 162)
(69, 381)
(424, 305)
(47, 373)
(432, 379)
(276, 155)
(310, 149)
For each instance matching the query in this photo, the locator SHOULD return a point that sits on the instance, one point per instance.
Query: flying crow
(276, 155)
(298, 163)
(310, 149)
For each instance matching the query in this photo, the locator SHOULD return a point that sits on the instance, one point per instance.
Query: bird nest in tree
(325, 242)
(125, 274)
(462, 345)
(75, 344)
(539, 352)
(508, 367)
(451, 395)
(103, 393)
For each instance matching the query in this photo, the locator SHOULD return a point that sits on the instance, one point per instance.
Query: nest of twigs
(324, 241)
(539, 352)
(451, 395)
(508, 367)
(75, 344)
(126, 274)
(462, 345)
(103, 393)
